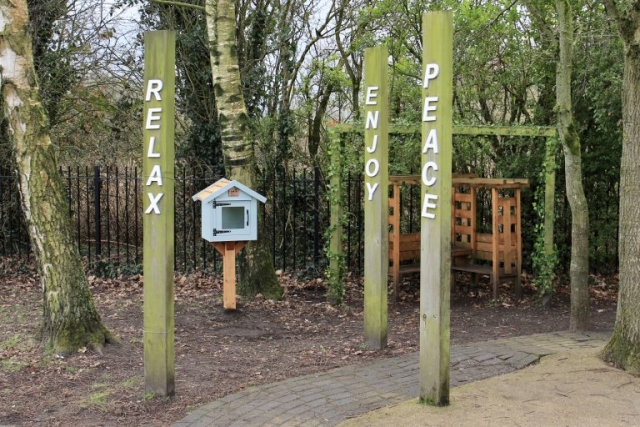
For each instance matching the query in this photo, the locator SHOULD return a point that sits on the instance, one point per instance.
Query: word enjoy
(372, 167)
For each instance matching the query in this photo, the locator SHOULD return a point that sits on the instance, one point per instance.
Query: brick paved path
(328, 398)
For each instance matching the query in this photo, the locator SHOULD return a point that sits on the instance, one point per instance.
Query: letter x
(153, 207)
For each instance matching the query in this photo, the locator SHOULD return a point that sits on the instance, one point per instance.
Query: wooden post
(495, 235)
(376, 205)
(518, 284)
(335, 200)
(394, 236)
(549, 193)
(228, 251)
(158, 180)
(435, 245)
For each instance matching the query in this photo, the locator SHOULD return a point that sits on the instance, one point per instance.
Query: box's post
(158, 180)
(376, 204)
(435, 244)
(228, 252)
(229, 272)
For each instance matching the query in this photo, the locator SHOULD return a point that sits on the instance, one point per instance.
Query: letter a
(431, 142)
(155, 176)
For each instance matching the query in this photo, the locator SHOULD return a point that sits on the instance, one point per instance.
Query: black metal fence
(105, 208)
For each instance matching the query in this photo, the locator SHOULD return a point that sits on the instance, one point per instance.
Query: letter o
(425, 174)
(376, 168)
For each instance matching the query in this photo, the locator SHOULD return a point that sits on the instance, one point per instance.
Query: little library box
(229, 212)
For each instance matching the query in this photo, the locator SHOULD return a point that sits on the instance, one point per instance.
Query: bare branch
(179, 3)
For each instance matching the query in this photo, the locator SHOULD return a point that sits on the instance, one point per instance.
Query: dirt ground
(218, 353)
(575, 388)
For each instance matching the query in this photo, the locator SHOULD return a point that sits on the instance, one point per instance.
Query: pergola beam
(529, 131)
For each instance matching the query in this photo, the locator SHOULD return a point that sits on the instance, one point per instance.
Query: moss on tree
(622, 353)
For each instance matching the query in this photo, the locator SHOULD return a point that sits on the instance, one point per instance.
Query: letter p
(431, 71)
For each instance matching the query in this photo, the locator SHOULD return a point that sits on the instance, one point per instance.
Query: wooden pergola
(549, 133)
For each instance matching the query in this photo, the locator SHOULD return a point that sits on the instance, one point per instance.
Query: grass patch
(149, 396)
(10, 342)
(11, 365)
(97, 400)
(131, 382)
(14, 315)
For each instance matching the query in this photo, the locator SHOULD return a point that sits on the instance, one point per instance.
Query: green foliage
(200, 144)
(336, 273)
(335, 276)
(598, 116)
(544, 263)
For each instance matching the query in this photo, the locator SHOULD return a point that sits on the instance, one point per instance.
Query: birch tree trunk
(70, 319)
(623, 349)
(256, 270)
(579, 268)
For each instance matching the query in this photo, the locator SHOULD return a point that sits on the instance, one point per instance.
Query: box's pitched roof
(221, 186)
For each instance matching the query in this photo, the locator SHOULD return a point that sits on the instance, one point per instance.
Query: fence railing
(105, 210)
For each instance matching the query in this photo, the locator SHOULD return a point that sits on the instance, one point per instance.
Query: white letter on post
(370, 95)
(151, 117)
(431, 71)
(371, 190)
(154, 87)
(152, 147)
(429, 203)
(155, 176)
(431, 142)
(153, 206)
(425, 174)
(372, 120)
(428, 107)
(376, 168)
(374, 145)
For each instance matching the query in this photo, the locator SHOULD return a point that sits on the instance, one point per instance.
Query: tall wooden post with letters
(158, 176)
(435, 225)
(376, 198)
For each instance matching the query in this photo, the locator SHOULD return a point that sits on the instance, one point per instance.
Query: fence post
(316, 214)
(96, 210)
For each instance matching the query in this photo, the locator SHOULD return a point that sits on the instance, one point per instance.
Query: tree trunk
(256, 272)
(70, 319)
(579, 268)
(623, 349)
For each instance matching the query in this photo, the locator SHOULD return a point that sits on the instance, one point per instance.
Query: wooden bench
(404, 249)
(498, 255)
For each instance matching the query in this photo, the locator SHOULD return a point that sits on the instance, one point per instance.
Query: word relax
(152, 122)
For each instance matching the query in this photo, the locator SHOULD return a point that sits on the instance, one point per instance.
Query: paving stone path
(328, 398)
